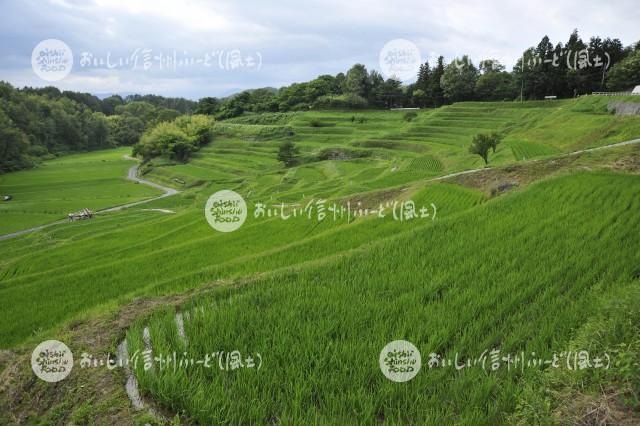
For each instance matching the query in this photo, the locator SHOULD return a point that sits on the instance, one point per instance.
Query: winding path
(132, 175)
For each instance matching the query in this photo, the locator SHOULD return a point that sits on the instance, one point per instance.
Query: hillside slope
(520, 274)
(538, 253)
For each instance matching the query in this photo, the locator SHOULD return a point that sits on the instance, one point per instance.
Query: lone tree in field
(480, 145)
(288, 153)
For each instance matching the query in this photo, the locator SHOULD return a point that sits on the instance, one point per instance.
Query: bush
(177, 139)
(341, 154)
(302, 106)
(349, 101)
(410, 115)
(288, 153)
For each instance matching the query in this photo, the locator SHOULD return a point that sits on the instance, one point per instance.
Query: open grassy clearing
(68, 184)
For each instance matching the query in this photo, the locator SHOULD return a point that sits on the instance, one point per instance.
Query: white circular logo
(52, 361)
(52, 60)
(400, 59)
(400, 361)
(225, 211)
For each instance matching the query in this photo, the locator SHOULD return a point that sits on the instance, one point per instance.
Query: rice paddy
(319, 299)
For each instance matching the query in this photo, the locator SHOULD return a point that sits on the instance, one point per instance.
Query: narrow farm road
(132, 175)
(466, 172)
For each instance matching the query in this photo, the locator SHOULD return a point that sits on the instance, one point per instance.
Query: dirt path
(466, 172)
(132, 175)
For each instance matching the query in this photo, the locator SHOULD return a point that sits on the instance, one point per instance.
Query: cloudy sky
(278, 42)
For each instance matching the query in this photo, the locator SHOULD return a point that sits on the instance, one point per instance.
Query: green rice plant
(426, 163)
(320, 328)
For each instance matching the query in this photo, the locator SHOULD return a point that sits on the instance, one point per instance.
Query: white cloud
(298, 40)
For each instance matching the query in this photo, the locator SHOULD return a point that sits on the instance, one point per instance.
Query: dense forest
(40, 123)
(37, 123)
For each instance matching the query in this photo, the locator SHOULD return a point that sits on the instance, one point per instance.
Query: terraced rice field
(319, 340)
(544, 268)
(393, 147)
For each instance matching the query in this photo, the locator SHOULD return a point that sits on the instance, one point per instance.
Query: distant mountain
(103, 96)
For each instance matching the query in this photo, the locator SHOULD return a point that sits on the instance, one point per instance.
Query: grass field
(65, 185)
(320, 328)
(533, 270)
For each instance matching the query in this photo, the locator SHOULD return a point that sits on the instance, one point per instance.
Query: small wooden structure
(83, 214)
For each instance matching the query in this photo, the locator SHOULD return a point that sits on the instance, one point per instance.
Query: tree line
(564, 70)
(45, 122)
(39, 122)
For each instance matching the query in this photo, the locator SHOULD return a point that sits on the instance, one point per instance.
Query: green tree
(459, 80)
(208, 105)
(288, 153)
(165, 139)
(422, 94)
(577, 79)
(437, 93)
(625, 74)
(481, 144)
(392, 92)
(321, 86)
(13, 145)
(110, 104)
(376, 88)
(357, 81)
(97, 130)
(125, 130)
(419, 97)
(198, 127)
(494, 140)
(176, 140)
(494, 84)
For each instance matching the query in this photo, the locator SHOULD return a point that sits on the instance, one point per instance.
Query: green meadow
(533, 270)
(65, 185)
